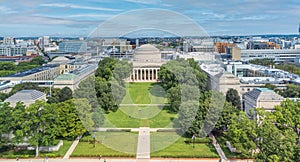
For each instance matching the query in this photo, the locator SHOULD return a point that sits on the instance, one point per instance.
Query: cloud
(6, 10)
(143, 1)
(66, 5)
(90, 15)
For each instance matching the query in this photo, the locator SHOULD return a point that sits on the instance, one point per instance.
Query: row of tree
(7, 68)
(42, 123)
(199, 110)
(268, 136)
(107, 85)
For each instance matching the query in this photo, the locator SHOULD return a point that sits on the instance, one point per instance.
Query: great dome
(147, 53)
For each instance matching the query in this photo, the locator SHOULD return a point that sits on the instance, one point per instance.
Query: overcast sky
(79, 18)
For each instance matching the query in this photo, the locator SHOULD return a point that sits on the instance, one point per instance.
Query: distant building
(13, 50)
(47, 72)
(26, 96)
(261, 98)
(278, 55)
(9, 41)
(221, 46)
(146, 64)
(73, 46)
(73, 78)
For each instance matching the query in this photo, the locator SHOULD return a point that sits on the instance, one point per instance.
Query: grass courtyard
(109, 144)
(134, 114)
(144, 93)
(170, 145)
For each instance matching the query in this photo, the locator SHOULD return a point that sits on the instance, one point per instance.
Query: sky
(80, 18)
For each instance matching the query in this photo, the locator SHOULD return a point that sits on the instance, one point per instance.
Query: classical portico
(146, 64)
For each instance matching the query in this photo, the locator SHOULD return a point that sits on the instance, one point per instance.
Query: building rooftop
(264, 94)
(32, 71)
(26, 95)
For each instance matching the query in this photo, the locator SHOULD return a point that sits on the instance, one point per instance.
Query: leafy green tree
(186, 116)
(24, 86)
(7, 66)
(86, 89)
(225, 117)
(291, 91)
(242, 133)
(5, 122)
(287, 116)
(3, 96)
(18, 119)
(106, 68)
(233, 97)
(40, 126)
(122, 71)
(68, 123)
(38, 60)
(84, 110)
(65, 94)
(174, 96)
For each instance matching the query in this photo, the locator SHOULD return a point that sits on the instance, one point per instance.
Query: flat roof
(32, 71)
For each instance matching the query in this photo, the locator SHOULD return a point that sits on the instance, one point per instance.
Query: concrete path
(218, 147)
(143, 146)
(72, 148)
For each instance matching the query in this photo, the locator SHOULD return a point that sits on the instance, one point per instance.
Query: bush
(198, 140)
(118, 130)
(167, 130)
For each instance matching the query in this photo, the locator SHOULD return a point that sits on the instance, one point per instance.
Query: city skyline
(68, 18)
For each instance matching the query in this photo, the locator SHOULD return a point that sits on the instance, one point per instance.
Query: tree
(233, 97)
(65, 94)
(287, 116)
(106, 68)
(5, 123)
(40, 125)
(225, 117)
(186, 116)
(242, 133)
(38, 60)
(68, 123)
(18, 119)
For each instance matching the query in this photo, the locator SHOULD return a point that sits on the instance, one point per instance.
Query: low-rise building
(26, 96)
(261, 98)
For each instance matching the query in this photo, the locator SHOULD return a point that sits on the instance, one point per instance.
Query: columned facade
(144, 74)
(146, 64)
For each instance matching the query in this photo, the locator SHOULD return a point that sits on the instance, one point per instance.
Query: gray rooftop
(25, 95)
(32, 71)
(263, 94)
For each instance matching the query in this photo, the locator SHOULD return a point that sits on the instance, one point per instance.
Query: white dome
(147, 53)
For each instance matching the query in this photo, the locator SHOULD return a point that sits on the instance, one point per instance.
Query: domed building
(147, 53)
(146, 64)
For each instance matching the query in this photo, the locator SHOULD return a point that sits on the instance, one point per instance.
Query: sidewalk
(72, 148)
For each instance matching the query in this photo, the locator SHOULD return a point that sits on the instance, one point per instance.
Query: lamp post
(193, 139)
(94, 140)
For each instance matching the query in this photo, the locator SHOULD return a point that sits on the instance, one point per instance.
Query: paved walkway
(218, 148)
(143, 146)
(72, 148)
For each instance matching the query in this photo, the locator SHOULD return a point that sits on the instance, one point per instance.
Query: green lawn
(168, 144)
(109, 144)
(134, 116)
(120, 119)
(144, 93)
(26, 154)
